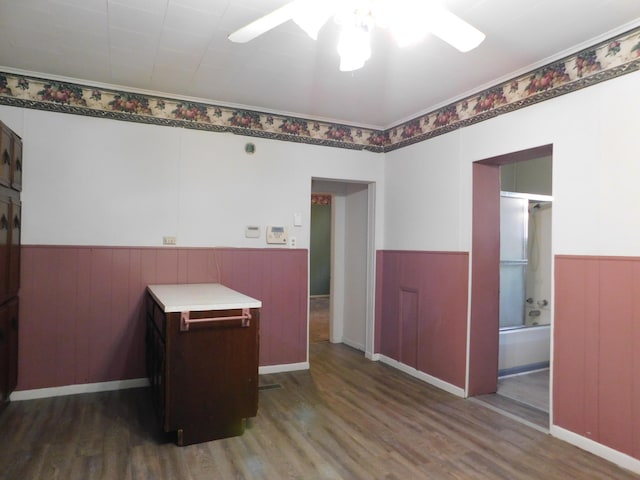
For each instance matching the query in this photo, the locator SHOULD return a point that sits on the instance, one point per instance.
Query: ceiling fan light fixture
(263, 24)
(405, 19)
(409, 20)
(353, 47)
(455, 31)
(408, 30)
(311, 15)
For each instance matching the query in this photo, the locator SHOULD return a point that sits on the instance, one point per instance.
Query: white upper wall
(90, 181)
(423, 207)
(428, 186)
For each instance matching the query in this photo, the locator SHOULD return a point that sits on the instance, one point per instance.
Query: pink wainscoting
(596, 377)
(422, 311)
(81, 307)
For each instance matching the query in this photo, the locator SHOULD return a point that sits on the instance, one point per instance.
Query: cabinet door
(6, 153)
(4, 247)
(16, 163)
(12, 345)
(212, 375)
(4, 355)
(14, 247)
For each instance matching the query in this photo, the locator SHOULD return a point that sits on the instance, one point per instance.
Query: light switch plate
(252, 231)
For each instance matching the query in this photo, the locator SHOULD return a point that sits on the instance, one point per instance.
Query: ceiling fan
(409, 20)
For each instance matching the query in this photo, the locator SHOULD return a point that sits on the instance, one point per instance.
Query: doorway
(320, 267)
(351, 264)
(511, 290)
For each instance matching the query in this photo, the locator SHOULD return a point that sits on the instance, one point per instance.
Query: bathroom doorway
(525, 283)
(525, 306)
(511, 284)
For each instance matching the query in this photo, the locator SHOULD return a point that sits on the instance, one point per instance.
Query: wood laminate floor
(346, 418)
(319, 319)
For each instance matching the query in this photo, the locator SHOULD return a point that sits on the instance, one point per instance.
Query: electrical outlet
(168, 240)
(292, 242)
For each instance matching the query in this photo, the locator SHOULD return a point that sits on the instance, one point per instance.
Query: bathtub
(524, 349)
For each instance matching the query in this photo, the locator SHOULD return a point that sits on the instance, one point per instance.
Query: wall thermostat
(277, 235)
(252, 231)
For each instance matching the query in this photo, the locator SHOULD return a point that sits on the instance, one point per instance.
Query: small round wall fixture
(250, 148)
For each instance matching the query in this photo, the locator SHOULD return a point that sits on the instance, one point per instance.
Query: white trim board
(436, 382)
(80, 388)
(621, 459)
(354, 345)
(287, 367)
(34, 394)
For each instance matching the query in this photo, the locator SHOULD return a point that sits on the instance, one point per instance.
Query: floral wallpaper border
(607, 60)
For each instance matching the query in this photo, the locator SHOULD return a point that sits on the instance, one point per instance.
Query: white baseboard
(124, 384)
(76, 389)
(351, 344)
(436, 382)
(288, 367)
(621, 459)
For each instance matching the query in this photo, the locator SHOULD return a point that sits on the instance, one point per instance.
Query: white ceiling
(180, 48)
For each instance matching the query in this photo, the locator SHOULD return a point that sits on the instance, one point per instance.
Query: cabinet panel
(6, 154)
(4, 355)
(12, 344)
(16, 163)
(4, 247)
(14, 247)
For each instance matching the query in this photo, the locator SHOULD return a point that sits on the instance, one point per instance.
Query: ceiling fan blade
(453, 30)
(264, 24)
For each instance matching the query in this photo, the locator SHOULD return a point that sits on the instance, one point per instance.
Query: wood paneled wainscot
(202, 359)
(10, 225)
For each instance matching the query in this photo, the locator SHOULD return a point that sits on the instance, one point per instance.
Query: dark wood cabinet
(204, 378)
(10, 227)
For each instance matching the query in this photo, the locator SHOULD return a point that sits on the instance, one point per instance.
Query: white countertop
(195, 297)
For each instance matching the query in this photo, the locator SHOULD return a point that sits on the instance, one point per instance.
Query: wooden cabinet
(202, 362)
(10, 227)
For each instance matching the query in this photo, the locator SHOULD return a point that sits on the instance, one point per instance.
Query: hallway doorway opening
(348, 264)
